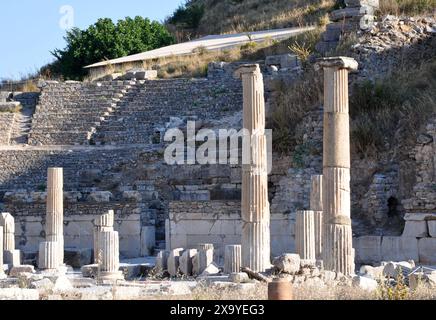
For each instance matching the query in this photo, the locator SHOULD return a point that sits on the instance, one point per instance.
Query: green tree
(107, 40)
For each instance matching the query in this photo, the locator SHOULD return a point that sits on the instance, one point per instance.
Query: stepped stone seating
(145, 111)
(68, 112)
(6, 123)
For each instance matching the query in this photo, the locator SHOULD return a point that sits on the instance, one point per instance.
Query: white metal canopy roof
(211, 42)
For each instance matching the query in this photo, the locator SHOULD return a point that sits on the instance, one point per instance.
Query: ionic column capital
(337, 63)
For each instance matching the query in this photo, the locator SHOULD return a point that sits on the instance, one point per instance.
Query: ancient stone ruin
(92, 160)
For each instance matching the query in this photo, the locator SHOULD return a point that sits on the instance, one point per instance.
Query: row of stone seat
(69, 112)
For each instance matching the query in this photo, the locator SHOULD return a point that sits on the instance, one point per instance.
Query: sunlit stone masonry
(305, 235)
(255, 205)
(54, 232)
(337, 244)
(316, 207)
(10, 255)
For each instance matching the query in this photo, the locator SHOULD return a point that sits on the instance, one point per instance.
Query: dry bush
(407, 7)
(381, 110)
(292, 104)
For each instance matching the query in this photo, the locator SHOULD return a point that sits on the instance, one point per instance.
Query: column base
(115, 275)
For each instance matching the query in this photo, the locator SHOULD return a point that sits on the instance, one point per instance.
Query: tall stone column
(232, 259)
(55, 210)
(255, 204)
(305, 235)
(337, 244)
(317, 208)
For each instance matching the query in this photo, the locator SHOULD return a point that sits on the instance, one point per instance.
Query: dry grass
(232, 16)
(383, 111)
(407, 7)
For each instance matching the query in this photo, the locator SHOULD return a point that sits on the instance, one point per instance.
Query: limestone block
(100, 196)
(393, 269)
(42, 285)
(162, 260)
(399, 248)
(202, 260)
(108, 242)
(148, 240)
(427, 251)
(185, 261)
(341, 14)
(432, 228)
(368, 249)
(371, 272)
(211, 270)
(285, 61)
(364, 283)
(239, 277)
(416, 229)
(174, 261)
(16, 271)
(287, 263)
(12, 257)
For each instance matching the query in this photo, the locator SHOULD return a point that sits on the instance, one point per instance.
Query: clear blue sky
(30, 29)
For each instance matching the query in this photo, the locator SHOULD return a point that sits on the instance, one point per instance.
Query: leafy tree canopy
(107, 40)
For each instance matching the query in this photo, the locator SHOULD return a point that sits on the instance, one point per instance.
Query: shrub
(107, 40)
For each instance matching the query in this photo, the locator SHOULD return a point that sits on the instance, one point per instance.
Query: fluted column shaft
(103, 223)
(1, 251)
(305, 235)
(55, 210)
(110, 258)
(337, 241)
(317, 207)
(255, 204)
(232, 259)
(48, 256)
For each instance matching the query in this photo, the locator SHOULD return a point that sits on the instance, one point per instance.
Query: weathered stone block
(148, 240)
(416, 229)
(432, 228)
(16, 271)
(174, 261)
(287, 263)
(186, 265)
(400, 248)
(427, 251)
(368, 249)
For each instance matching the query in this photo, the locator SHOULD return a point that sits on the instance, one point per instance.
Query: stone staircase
(21, 127)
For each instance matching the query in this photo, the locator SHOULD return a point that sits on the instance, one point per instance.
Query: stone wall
(219, 222)
(6, 123)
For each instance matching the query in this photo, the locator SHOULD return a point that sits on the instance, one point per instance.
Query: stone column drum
(108, 241)
(2, 271)
(104, 222)
(48, 256)
(305, 235)
(55, 210)
(232, 259)
(337, 242)
(10, 255)
(255, 204)
(316, 207)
